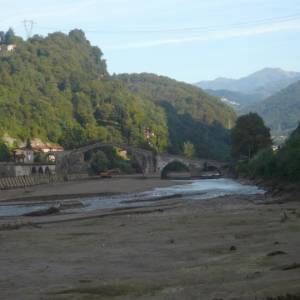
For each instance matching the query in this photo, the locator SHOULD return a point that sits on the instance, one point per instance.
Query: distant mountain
(281, 111)
(266, 81)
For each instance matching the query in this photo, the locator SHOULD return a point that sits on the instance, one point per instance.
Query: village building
(38, 146)
(8, 48)
(25, 162)
(11, 47)
(24, 155)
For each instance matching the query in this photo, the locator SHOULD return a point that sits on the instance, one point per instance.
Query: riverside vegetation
(262, 161)
(57, 88)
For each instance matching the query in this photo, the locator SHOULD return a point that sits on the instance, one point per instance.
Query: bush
(99, 162)
(4, 152)
(282, 165)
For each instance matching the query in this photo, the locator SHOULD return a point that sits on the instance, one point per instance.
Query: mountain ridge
(280, 111)
(264, 82)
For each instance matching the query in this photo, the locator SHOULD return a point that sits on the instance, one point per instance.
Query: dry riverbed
(224, 248)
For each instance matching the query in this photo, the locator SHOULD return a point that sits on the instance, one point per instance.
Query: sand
(225, 248)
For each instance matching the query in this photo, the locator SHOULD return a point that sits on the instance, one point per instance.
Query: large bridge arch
(75, 161)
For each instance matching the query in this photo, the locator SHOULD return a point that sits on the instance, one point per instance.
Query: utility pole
(28, 26)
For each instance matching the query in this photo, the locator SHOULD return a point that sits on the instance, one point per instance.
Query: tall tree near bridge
(249, 136)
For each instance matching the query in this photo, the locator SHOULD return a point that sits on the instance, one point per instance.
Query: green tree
(188, 149)
(10, 37)
(249, 136)
(99, 162)
(4, 152)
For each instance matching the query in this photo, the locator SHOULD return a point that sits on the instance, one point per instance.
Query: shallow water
(192, 189)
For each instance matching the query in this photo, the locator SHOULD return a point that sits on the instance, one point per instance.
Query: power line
(265, 21)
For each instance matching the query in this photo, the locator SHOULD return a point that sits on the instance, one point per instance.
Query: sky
(188, 40)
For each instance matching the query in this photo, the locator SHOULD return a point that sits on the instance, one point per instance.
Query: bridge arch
(174, 166)
(77, 161)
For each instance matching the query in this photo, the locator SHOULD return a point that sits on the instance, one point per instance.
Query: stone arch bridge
(70, 162)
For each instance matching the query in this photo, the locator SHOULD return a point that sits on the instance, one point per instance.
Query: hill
(235, 99)
(192, 114)
(281, 111)
(58, 89)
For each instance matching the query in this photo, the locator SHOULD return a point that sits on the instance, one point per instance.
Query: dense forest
(57, 88)
(192, 114)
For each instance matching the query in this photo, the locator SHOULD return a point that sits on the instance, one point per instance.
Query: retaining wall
(7, 183)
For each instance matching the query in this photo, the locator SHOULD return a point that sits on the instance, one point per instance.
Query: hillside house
(8, 48)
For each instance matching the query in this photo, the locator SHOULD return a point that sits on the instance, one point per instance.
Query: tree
(4, 152)
(99, 162)
(2, 37)
(249, 136)
(188, 149)
(10, 36)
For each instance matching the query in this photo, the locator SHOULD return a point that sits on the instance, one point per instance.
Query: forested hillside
(58, 89)
(192, 114)
(281, 111)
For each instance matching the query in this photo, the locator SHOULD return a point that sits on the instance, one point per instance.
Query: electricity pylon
(28, 26)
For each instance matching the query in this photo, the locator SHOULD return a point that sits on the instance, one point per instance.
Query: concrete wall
(15, 169)
(7, 170)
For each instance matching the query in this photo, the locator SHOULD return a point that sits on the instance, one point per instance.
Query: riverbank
(231, 247)
(276, 190)
(85, 188)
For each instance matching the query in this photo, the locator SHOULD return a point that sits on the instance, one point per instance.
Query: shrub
(99, 162)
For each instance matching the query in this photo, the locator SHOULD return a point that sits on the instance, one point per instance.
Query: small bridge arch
(174, 166)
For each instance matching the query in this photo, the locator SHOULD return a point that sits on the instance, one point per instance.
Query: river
(186, 190)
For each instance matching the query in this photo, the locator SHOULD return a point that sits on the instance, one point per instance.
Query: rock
(290, 267)
(43, 212)
(232, 248)
(274, 253)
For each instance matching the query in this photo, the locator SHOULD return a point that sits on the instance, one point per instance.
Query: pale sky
(189, 40)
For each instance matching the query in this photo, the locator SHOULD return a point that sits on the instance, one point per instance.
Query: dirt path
(223, 248)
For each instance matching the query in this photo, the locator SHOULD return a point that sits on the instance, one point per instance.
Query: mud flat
(231, 247)
(84, 188)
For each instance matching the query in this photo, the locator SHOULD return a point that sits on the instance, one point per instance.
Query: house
(148, 133)
(39, 146)
(11, 47)
(8, 48)
(24, 155)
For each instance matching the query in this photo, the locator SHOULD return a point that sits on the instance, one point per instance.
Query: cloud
(211, 36)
